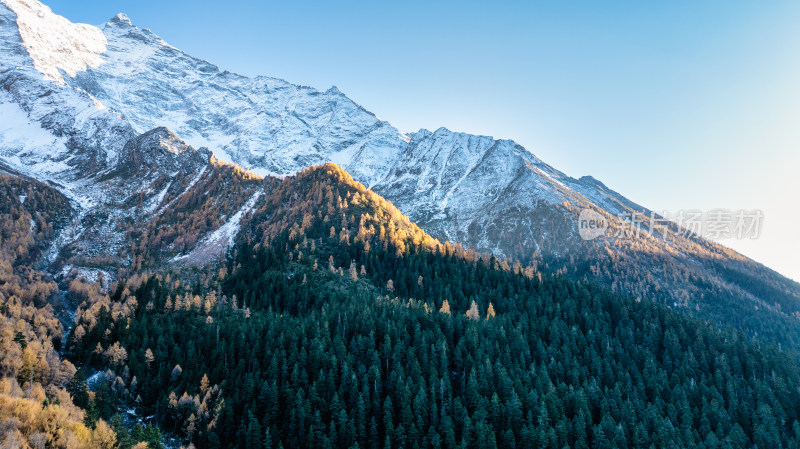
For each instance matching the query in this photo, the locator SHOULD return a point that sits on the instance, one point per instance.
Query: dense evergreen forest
(334, 322)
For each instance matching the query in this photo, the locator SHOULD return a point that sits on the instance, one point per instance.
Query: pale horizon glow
(681, 105)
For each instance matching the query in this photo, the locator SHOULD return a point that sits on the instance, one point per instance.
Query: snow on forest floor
(214, 244)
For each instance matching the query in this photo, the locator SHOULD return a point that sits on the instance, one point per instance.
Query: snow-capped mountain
(125, 124)
(49, 130)
(265, 124)
(274, 127)
(60, 134)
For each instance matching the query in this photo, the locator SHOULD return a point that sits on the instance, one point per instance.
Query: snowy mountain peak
(54, 43)
(121, 31)
(121, 19)
(333, 90)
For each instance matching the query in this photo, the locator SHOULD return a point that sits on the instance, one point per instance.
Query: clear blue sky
(677, 105)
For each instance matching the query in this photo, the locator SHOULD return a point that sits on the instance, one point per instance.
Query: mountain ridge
(336, 322)
(489, 194)
(336, 299)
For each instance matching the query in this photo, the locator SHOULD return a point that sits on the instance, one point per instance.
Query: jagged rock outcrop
(159, 150)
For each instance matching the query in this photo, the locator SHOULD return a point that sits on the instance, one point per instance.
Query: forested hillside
(155, 294)
(335, 322)
(36, 410)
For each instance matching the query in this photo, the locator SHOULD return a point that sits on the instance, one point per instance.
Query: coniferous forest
(195, 256)
(334, 322)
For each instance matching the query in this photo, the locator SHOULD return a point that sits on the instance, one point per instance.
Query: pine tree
(255, 438)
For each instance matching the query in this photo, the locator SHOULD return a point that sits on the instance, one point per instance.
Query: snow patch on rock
(22, 136)
(214, 244)
(54, 43)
